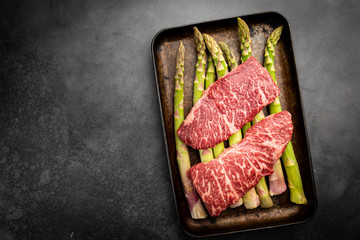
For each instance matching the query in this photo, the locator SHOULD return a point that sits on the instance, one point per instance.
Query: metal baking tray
(164, 47)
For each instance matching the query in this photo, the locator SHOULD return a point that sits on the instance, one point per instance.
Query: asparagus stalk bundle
(237, 137)
(206, 155)
(288, 158)
(221, 69)
(182, 155)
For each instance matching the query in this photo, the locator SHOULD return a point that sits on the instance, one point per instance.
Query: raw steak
(224, 180)
(227, 105)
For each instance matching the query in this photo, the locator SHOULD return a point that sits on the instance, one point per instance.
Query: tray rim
(315, 202)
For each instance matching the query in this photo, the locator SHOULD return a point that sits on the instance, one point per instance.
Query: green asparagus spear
(245, 47)
(182, 155)
(206, 155)
(288, 158)
(276, 180)
(245, 40)
(251, 199)
(200, 65)
(221, 69)
(269, 63)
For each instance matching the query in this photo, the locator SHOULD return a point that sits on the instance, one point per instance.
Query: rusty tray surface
(164, 49)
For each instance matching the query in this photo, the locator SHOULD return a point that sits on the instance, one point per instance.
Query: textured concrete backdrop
(81, 150)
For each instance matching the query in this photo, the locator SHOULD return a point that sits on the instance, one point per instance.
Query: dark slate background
(81, 149)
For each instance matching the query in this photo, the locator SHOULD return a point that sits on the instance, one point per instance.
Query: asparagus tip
(275, 35)
(243, 27)
(196, 31)
(198, 37)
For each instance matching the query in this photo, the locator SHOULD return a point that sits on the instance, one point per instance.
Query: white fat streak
(218, 185)
(205, 191)
(263, 97)
(271, 144)
(231, 125)
(228, 180)
(249, 107)
(245, 158)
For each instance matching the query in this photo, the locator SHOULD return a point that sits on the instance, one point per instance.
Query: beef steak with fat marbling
(227, 105)
(224, 180)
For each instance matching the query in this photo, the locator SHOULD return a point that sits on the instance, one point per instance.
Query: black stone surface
(82, 154)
